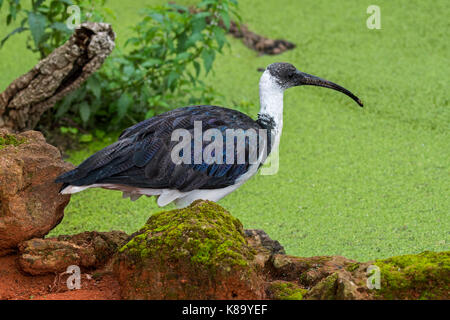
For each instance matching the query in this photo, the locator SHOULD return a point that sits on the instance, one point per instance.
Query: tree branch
(63, 71)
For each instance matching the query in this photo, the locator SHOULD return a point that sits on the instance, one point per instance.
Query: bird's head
(285, 75)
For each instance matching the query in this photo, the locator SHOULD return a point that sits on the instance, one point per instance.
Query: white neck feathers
(271, 98)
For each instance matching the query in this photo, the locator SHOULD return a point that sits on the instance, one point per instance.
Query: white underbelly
(165, 196)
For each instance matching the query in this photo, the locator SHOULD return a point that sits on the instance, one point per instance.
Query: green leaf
(62, 109)
(226, 18)
(205, 3)
(37, 4)
(169, 43)
(237, 16)
(198, 25)
(202, 14)
(219, 33)
(193, 39)
(192, 78)
(122, 105)
(208, 57)
(157, 16)
(150, 113)
(151, 62)
(171, 78)
(99, 133)
(85, 137)
(182, 38)
(70, 130)
(85, 111)
(37, 24)
(128, 70)
(178, 7)
(65, 104)
(95, 86)
(60, 27)
(197, 68)
(183, 56)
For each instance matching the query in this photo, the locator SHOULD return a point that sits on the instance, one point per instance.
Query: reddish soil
(16, 285)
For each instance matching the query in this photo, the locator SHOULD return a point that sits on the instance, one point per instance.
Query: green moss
(352, 267)
(326, 288)
(204, 233)
(417, 276)
(286, 291)
(10, 140)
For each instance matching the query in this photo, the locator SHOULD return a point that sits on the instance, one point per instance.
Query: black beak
(310, 80)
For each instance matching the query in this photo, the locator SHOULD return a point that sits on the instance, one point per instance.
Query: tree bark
(64, 70)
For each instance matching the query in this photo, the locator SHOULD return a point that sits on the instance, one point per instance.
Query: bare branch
(64, 70)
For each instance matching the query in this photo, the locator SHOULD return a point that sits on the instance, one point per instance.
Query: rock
(325, 289)
(30, 203)
(290, 268)
(264, 246)
(323, 277)
(415, 276)
(283, 290)
(347, 288)
(259, 239)
(39, 256)
(104, 244)
(86, 250)
(198, 252)
(337, 286)
(309, 270)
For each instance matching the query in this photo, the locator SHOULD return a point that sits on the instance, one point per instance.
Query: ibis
(142, 161)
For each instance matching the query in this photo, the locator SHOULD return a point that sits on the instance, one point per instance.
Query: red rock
(30, 203)
(54, 255)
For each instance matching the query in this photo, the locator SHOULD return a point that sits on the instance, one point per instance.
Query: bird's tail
(66, 178)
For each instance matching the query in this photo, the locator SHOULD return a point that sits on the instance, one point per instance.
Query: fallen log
(64, 70)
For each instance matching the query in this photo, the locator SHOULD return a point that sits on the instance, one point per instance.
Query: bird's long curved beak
(310, 80)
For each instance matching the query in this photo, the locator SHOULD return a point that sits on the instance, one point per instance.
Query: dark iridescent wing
(142, 155)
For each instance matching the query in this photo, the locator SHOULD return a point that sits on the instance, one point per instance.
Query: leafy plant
(45, 21)
(160, 67)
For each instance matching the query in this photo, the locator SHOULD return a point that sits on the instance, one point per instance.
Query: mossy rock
(204, 232)
(352, 266)
(198, 252)
(416, 276)
(325, 289)
(283, 290)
